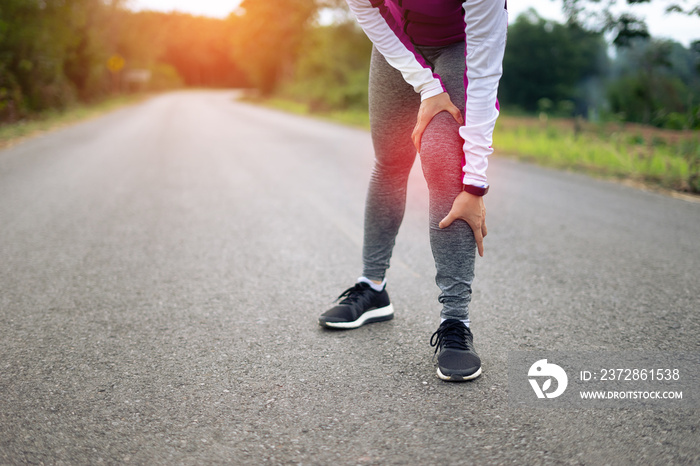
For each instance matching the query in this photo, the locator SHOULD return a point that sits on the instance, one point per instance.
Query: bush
(332, 75)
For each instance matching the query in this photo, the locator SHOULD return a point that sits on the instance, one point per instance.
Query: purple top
(428, 22)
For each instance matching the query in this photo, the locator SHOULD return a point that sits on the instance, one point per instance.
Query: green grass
(667, 159)
(50, 120)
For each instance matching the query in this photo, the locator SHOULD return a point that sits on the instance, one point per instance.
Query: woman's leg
(442, 159)
(393, 106)
(393, 110)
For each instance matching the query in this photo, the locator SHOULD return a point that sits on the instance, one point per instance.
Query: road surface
(162, 269)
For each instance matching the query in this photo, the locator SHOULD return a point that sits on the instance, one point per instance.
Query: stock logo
(542, 369)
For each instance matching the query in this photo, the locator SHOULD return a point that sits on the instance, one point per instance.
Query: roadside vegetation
(658, 157)
(596, 93)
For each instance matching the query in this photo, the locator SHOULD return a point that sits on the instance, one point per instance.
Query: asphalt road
(162, 268)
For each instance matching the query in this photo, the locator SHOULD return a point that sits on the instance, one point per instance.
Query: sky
(678, 27)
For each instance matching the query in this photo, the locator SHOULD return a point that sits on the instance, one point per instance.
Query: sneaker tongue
(352, 294)
(457, 336)
(452, 338)
(451, 321)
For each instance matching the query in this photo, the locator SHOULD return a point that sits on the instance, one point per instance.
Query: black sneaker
(457, 360)
(362, 305)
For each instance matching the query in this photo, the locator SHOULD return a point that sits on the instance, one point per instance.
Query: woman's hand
(471, 209)
(466, 206)
(428, 109)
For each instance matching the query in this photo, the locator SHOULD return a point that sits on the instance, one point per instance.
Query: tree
(51, 53)
(332, 73)
(55, 52)
(625, 26)
(656, 82)
(33, 47)
(196, 46)
(266, 38)
(545, 59)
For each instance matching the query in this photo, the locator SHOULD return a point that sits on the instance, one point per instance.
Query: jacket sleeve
(487, 23)
(388, 37)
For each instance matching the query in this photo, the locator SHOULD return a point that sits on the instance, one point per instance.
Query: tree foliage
(47, 49)
(197, 47)
(55, 52)
(624, 25)
(333, 71)
(266, 36)
(656, 82)
(547, 60)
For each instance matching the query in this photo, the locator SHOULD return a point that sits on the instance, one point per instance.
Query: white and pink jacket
(396, 26)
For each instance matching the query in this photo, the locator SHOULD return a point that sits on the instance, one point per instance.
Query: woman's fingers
(454, 111)
(428, 109)
(471, 209)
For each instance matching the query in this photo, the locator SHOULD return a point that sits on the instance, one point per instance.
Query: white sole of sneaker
(458, 378)
(375, 315)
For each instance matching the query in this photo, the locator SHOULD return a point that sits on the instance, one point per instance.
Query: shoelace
(451, 335)
(353, 294)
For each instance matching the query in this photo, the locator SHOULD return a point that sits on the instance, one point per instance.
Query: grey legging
(393, 107)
